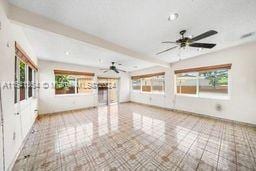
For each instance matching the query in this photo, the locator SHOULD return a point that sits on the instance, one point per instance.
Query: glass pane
(157, 83)
(113, 90)
(136, 84)
(186, 83)
(64, 84)
(35, 84)
(146, 84)
(22, 82)
(213, 82)
(84, 85)
(30, 82)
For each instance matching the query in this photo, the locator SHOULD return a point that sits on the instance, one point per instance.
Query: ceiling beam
(28, 18)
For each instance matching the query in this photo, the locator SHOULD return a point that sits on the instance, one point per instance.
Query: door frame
(118, 89)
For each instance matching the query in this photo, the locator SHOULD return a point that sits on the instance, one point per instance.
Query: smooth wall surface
(50, 103)
(241, 104)
(16, 127)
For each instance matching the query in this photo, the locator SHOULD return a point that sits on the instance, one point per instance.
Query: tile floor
(136, 137)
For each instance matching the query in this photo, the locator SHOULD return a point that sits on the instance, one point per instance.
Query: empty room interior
(127, 85)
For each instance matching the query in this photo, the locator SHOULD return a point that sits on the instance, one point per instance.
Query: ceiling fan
(186, 41)
(113, 68)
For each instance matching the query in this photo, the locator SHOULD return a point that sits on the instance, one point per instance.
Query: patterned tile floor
(135, 137)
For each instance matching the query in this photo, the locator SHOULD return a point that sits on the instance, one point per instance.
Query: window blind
(66, 72)
(147, 75)
(19, 52)
(206, 68)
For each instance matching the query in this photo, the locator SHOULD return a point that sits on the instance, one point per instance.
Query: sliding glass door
(108, 91)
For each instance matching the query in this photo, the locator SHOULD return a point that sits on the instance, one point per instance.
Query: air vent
(247, 35)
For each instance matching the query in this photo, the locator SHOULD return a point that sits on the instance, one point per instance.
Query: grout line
(205, 147)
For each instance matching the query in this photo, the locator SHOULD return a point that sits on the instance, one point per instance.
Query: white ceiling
(53, 47)
(142, 25)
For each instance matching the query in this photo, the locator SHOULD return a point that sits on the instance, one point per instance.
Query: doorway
(108, 91)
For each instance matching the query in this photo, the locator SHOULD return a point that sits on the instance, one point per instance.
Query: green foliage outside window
(216, 78)
(62, 81)
(22, 74)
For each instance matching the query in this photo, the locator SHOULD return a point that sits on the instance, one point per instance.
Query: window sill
(205, 97)
(157, 93)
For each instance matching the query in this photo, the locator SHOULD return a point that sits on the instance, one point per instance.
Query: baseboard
(198, 114)
(65, 111)
(164, 108)
(72, 110)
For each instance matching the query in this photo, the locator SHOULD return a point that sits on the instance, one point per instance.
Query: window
(84, 85)
(151, 83)
(146, 84)
(186, 83)
(64, 84)
(22, 80)
(136, 84)
(24, 69)
(157, 83)
(30, 82)
(35, 83)
(70, 82)
(203, 82)
(213, 82)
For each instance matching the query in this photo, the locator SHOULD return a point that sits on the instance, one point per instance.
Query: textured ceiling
(142, 25)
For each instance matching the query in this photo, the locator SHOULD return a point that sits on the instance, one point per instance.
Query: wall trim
(198, 114)
(164, 108)
(64, 111)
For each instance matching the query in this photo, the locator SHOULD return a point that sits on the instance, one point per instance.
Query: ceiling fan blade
(203, 45)
(105, 71)
(116, 70)
(121, 70)
(169, 42)
(167, 50)
(204, 35)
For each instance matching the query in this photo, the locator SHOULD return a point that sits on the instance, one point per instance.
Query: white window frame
(151, 92)
(226, 97)
(76, 93)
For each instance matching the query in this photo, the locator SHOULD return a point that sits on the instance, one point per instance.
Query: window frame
(30, 84)
(22, 56)
(17, 98)
(150, 77)
(25, 82)
(76, 77)
(136, 90)
(204, 69)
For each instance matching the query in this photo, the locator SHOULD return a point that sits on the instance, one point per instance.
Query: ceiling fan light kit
(191, 42)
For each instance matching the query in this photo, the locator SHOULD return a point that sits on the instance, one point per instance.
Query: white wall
(16, 127)
(240, 105)
(50, 103)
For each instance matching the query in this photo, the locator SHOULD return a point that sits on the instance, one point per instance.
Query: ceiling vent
(247, 35)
